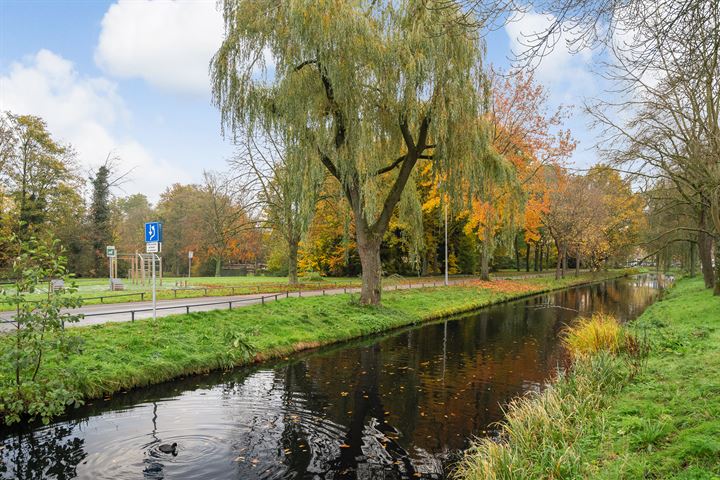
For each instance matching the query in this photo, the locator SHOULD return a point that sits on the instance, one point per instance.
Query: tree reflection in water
(53, 452)
(398, 406)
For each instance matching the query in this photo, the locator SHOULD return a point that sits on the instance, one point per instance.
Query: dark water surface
(398, 406)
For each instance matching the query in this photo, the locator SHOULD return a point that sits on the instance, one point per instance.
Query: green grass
(91, 289)
(119, 356)
(619, 417)
(666, 424)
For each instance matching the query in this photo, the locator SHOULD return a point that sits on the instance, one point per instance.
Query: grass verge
(607, 419)
(120, 356)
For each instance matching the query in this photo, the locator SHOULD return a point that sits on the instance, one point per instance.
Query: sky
(129, 78)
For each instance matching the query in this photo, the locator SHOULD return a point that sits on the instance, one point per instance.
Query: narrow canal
(403, 405)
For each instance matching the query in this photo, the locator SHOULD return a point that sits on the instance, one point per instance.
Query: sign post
(153, 245)
(190, 257)
(111, 253)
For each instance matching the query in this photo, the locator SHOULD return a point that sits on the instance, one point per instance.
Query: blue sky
(130, 77)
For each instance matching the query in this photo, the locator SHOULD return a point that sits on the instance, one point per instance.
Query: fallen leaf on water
(344, 445)
(344, 394)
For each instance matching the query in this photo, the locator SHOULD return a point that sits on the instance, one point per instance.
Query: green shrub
(39, 330)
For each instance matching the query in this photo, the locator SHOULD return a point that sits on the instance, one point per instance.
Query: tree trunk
(369, 252)
(577, 265)
(692, 259)
(293, 262)
(527, 256)
(716, 291)
(564, 260)
(218, 266)
(559, 261)
(705, 244)
(537, 247)
(485, 262)
(517, 253)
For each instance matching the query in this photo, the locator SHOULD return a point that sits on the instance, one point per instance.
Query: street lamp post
(446, 245)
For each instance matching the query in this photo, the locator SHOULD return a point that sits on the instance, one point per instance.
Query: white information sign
(152, 247)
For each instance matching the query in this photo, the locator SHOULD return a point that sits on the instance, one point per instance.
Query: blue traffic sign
(153, 232)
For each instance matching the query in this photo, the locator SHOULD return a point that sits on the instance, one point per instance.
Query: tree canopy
(368, 88)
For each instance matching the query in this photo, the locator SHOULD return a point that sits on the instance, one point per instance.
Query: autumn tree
(366, 88)
(614, 221)
(130, 214)
(286, 184)
(39, 172)
(527, 133)
(223, 217)
(181, 215)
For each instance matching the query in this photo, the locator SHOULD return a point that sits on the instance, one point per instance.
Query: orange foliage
(505, 286)
(528, 136)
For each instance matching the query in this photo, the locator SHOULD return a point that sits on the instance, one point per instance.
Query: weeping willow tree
(366, 88)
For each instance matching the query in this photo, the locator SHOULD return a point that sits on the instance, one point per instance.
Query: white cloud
(557, 66)
(168, 44)
(83, 111)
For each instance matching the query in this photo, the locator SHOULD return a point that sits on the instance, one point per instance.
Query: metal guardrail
(261, 299)
(101, 298)
(205, 289)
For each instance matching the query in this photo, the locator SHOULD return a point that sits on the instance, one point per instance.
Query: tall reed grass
(540, 435)
(588, 336)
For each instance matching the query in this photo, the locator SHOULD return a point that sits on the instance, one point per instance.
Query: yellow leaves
(431, 204)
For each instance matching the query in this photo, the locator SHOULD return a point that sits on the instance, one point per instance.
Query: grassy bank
(119, 356)
(625, 415)
(95, 291)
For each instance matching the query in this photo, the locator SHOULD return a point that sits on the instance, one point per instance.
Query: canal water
(402, 405)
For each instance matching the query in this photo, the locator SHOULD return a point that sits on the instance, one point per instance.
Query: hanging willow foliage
(367, 88)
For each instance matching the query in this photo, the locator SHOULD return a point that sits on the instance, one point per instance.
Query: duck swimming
(167, 448)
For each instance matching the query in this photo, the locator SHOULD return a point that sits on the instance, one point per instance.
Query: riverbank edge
(658, 422)
(106, 368)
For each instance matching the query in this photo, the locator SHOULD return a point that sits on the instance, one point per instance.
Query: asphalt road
(121, 312)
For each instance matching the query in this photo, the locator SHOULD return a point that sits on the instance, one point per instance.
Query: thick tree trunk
(293, 262)
(485, 262)
(218, 266)
(564, 262)
(692, 259)
(577, 265)
(705, 245)
(535, 260)
(369, 252)
(527, 256)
